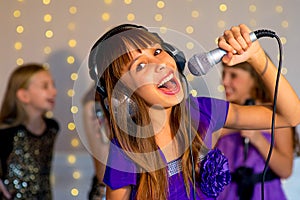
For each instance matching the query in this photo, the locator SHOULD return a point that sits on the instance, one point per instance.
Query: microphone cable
(190, 137)
(259, 34)
(267, 33)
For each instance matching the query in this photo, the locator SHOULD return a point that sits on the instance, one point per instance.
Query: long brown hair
(112, 55)
(296, 142)
(12, 112)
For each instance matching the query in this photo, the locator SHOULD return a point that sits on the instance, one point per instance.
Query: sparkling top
(26, 161)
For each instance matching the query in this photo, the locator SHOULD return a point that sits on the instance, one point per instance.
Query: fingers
(236, 40)
(245, 33)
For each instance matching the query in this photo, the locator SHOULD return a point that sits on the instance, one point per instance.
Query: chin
(176, 100)
(229, 98)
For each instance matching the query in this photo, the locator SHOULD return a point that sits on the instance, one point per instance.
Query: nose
(54, 91)
(225, 79)
(161, 67)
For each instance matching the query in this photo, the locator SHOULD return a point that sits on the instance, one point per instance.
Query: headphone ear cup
(126, 101)
(93, 71)
(176, 54)
(92, 64)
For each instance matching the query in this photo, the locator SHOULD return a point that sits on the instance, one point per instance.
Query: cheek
(153, 97)
(244, 87)
(251, 87)
(134, 82)
(146, 92)
(141, 84)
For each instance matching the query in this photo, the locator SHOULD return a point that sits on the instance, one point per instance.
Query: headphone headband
(116, 30)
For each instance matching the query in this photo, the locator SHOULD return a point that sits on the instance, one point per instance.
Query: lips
(51, 101)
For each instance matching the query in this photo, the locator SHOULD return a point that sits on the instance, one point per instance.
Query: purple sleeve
(208, 115)
(120, 170)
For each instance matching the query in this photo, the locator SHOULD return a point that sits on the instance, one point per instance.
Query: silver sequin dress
(26, 161)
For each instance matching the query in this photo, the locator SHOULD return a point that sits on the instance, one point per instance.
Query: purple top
(233, 147)
(208, 115)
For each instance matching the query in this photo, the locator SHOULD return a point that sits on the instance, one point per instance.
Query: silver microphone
(200, 64)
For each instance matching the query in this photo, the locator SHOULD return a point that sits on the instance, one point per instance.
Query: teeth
(168, 78)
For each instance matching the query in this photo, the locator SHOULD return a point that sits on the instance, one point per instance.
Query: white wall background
(76, 25)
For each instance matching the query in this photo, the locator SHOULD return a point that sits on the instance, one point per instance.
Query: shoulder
(211, 109)
(208, 102)
(7, 133)
(120, 170)
(9, 129)
(119, 160)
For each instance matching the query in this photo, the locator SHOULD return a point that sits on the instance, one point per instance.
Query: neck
(35, 124)
(168, 144)
(160, 118)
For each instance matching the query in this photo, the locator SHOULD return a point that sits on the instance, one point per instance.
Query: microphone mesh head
(199, 64)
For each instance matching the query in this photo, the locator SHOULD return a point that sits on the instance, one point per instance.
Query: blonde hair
(112, 55)
(12, 112)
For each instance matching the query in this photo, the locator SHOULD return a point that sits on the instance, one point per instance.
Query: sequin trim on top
(29, 165)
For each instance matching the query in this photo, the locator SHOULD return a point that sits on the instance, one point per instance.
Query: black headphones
(94, 68)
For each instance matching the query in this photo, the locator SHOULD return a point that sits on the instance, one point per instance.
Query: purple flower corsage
(214, 173)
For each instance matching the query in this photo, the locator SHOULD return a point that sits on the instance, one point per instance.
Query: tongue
(170, 85)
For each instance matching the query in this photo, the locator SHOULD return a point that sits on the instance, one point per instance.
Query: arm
(118, 194)
(96, 139)
(281, 161)
(4, 191)
(258, 117)
(3, 158)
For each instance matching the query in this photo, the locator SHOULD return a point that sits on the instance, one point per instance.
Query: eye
(233, 75)
(140, 66)
(157, 51)
(45, 85)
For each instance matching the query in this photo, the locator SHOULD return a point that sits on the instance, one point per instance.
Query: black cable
(266, 33)
(259, 34)
(191, 152)
(190, 139)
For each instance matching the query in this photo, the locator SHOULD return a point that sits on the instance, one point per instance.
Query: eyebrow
(139, 50)
(134, 60)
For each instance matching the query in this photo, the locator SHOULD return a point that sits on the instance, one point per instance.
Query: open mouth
(169, 85)
(51, 101)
